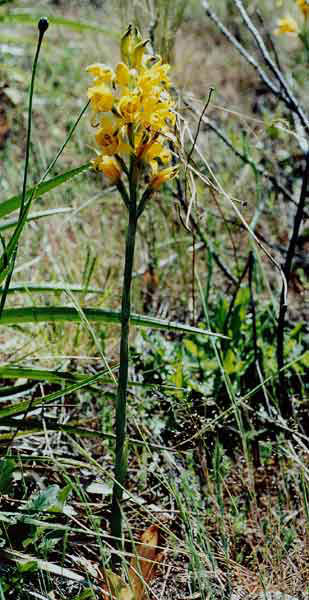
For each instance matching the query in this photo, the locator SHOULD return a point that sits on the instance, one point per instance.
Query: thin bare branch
(288, 98)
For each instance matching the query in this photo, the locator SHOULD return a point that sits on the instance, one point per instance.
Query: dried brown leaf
(142, 568)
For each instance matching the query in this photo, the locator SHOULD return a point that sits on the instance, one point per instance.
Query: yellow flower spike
(141, 112)
(129, 106)
(286, 25)
(303, 5)
(122, 75)
(109, 166)
(101, 98)
(102, 73)
(163, 176)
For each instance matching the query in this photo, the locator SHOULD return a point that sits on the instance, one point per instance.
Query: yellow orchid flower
(303, 5)
(129, 106)
(129, 41)
(163, 176)
(108, 135)
(286, 25)
(101, 98)
(138, 54)
(102, 73)
(155, 153)
(109, 166)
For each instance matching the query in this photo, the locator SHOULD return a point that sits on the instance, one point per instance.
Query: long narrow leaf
(36, 314)
(52, 376)
(44, 565)
(9, 223)
(21, 407)
(25, 287)
(13, 203)
(30, 19)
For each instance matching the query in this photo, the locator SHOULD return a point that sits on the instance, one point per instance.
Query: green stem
(42, 26)
(121, 460)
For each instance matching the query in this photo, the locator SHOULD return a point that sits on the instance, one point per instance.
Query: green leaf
(52, 499)
(26, 287)
(62, 497)
(8, 372)
(36, 314)
(30, 19)
(21, 407)
(13, 203)
(7, 467)
(28, 567)
(10, 223)
(230, 363)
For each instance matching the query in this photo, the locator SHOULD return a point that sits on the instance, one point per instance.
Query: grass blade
(27, 286)
(10, 223)
(36, 314)
(13, 203)
(22, 407)
(29, 19)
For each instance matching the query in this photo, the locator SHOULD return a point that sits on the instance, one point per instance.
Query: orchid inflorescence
(134, 114)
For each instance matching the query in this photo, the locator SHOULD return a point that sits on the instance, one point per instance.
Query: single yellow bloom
(155, 113)
(102, 73)
(122, 75)
(156, 75)
(107, 136)
(286, 25)
(155, 152)
(303, 5)
(109, 143)
(101, 98)
(163, 176)
(109, 166)
(129, 106)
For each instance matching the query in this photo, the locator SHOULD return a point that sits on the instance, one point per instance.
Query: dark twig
(199, 125)
(285, 403)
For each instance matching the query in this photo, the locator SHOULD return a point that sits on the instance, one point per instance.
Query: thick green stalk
(121, 462)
